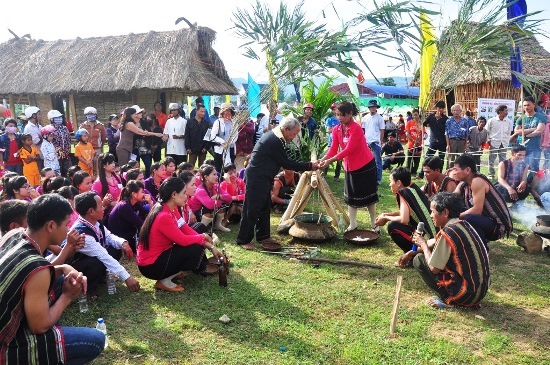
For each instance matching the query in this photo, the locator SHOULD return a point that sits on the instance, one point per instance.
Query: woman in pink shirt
(349, 144)
(236, 189)
(108, 185)
(210, 199)
(167, 245)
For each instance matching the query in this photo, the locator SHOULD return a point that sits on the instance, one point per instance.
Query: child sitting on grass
(84, 151)
(30, 155)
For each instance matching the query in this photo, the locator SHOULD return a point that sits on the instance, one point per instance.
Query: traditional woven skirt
(361, 186)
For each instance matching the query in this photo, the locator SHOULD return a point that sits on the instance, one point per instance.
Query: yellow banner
(427, 58)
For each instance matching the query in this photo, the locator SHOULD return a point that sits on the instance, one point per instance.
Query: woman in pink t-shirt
(167, 245)
(108, 185)
(349, 144)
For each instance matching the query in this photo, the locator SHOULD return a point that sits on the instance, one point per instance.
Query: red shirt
(415, 134)
(13, 161)
(162, 118)
(238, 192)
(164, 234)
(353, 147)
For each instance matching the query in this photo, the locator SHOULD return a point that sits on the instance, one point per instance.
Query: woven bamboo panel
(146, 99)
(44, 103)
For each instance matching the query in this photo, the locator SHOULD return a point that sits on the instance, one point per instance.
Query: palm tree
(294, 47)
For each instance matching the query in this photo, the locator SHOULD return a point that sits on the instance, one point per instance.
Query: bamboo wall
(467, 95)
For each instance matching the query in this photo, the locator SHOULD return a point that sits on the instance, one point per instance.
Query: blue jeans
(532, 158)
(82, 344)
(377, 152)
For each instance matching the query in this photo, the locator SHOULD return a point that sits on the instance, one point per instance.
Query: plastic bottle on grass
(111, 286)
(341, 224)
(83, 303)
(101, 326)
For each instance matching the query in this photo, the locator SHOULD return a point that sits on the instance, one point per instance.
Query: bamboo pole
(314, 183)
(329, 204)
(299, 208)
(304, 180)
(395, 305)
(12, 106)
(334, 200)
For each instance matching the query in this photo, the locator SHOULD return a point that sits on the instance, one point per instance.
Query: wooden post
(72, 108)
(12, 106)
(395, 305)
(333, 199)
(329, 205)
(299, 208)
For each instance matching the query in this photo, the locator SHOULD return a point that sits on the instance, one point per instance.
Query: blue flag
(254, 103)
(516, 9)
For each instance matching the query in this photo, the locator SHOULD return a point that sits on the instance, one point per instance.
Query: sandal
(92, 297)
(181, 275)
(248, 246)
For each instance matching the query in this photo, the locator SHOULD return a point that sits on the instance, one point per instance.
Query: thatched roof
(182, 60)
(535, 59)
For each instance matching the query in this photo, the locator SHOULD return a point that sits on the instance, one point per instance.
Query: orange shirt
(85, 151)
(416, 134)
(30, 169)
(162, 118)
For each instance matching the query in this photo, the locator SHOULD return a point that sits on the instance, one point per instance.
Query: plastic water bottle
(101, 326)
(83, 303)
(111, 286)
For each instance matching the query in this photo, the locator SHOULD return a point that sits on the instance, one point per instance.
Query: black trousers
(256, 211)
(179, 158)
(432, 149)
(401, 234)
(176, 259)
(420, 264)
(92, 267)
(219, 162)
(486, 227)
(412, 162)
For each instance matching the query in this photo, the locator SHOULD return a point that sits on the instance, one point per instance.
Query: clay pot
(309, 227)
(531, 242)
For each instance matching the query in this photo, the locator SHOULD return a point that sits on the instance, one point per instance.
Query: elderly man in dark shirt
(436, 122)
(268, 157)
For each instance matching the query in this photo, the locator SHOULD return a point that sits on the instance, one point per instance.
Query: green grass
(327, 314)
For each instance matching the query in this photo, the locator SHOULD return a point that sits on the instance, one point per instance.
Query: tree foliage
(388, 81)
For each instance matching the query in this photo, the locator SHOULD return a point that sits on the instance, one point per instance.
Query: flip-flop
(439, 304)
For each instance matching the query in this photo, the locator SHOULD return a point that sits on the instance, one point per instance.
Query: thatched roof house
(113, 72)
(468, 83)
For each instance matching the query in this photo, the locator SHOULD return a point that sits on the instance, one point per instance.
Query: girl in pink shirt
(236, 189)
(108, 185)
(349, 144)
(210, 199)
(167, 245)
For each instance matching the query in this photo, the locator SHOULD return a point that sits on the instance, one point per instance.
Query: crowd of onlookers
(74, 208)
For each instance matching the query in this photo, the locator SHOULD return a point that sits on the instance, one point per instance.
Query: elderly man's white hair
(457, 106)
(289, 123)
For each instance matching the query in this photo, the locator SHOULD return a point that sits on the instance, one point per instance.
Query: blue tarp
(409, 91)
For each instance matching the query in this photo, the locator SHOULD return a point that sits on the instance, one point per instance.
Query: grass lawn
(295, 313)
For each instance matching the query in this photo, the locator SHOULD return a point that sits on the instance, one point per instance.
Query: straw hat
(227, 106)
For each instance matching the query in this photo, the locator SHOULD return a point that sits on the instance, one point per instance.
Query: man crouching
(455, 265)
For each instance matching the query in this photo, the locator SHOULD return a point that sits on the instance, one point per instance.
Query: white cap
(90, 110)
(54, 114)
(137, 108)
(173, 106)
(30, 111)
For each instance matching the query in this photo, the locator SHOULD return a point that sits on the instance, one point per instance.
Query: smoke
(525, 213)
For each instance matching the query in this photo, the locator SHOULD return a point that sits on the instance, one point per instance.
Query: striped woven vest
(419, 208)
(19, 259)
(495, 206)
(466, 275)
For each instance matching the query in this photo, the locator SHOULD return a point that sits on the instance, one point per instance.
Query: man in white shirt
(373, 125)
(102, 249)
(498, 129)
(175, 130)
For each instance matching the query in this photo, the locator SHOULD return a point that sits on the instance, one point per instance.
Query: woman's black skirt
(361, 186)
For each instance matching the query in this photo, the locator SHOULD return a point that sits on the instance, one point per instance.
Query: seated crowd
(79, 225)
